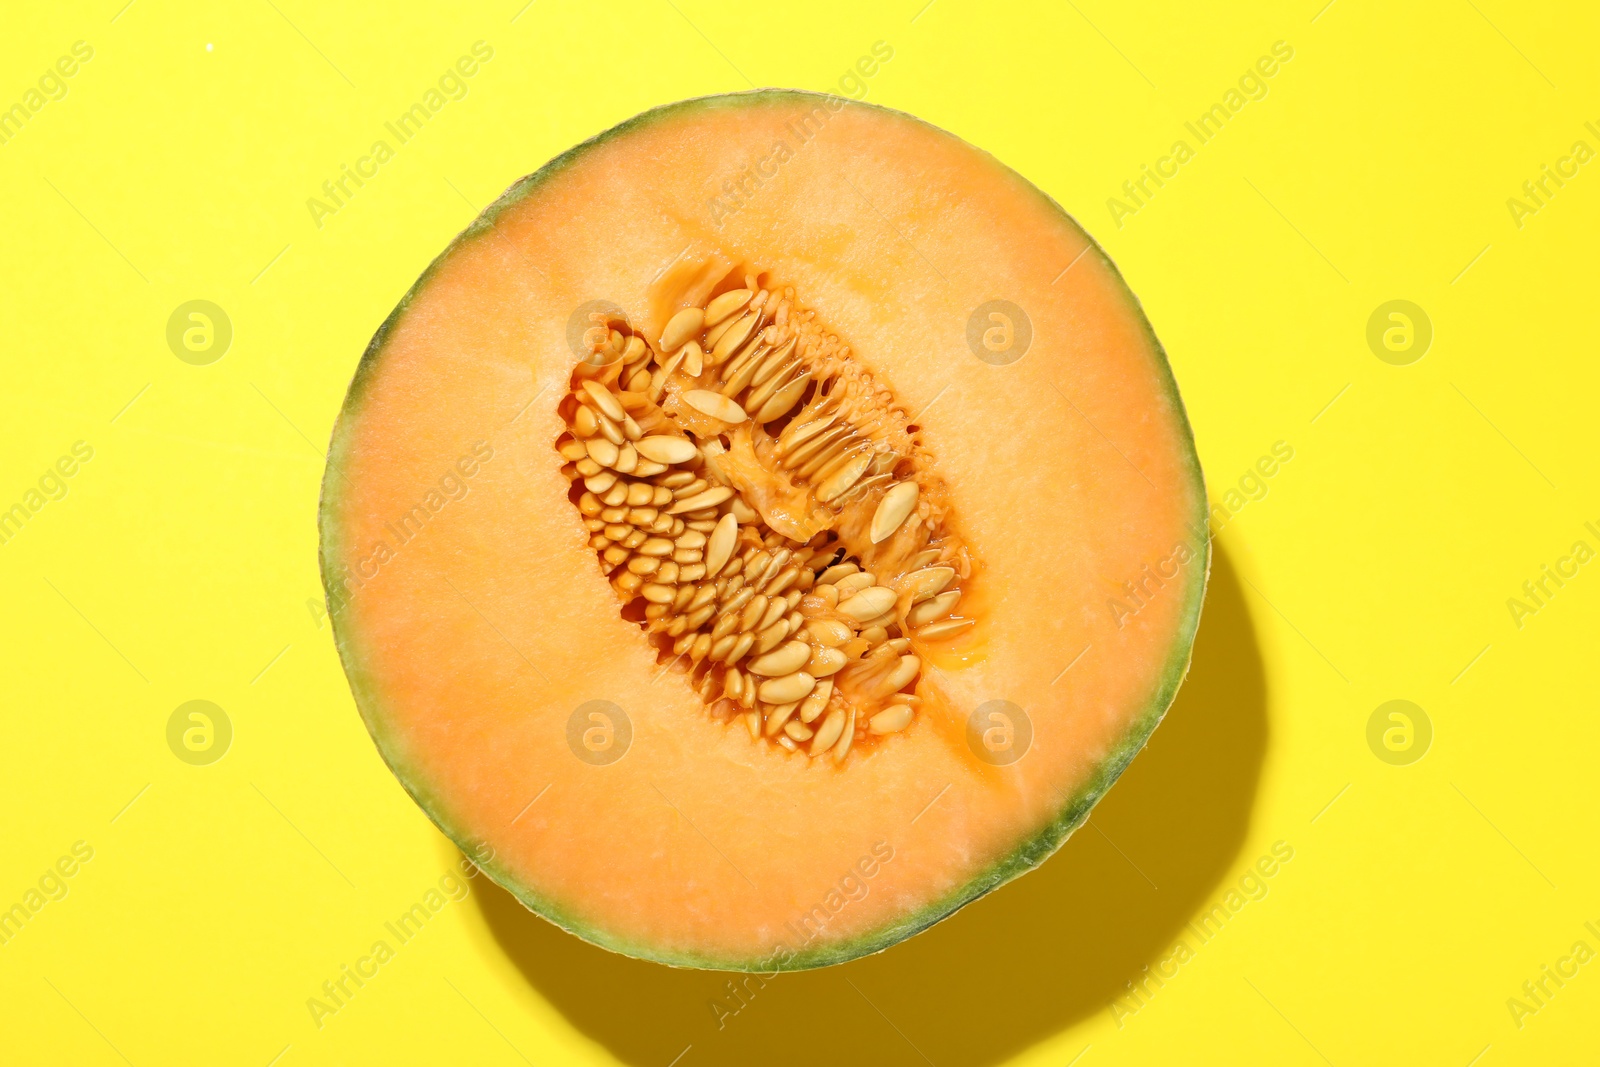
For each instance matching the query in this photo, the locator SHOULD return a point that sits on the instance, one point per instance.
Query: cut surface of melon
(750, 580)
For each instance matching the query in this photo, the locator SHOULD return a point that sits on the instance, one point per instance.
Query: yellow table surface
(1383, 160)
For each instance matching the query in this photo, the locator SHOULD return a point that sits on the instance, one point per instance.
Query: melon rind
(1028, 855)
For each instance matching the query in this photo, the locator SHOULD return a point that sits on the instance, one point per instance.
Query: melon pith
(475, 618)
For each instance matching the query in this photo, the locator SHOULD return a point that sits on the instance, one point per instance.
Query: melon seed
(844, 477)
(682, 326)
(836, 572)
(714, 404)
(604, 400)
(867, 604)
(853, 583)
(944, 628)
(929, 610)
(890, 720)
(772, 636)
(830, 633)
(785, 660)
(714, 334)
(929, 582)
(829, 732)
(726, 304)
(784, 399)
(732, 338)
(893, 509)
(794, 686)
(812, 706)
(666, 449)
(902, 674)
(584, 423)
(720, 544)
(610, 429)
(825, 661)
(841, 747)
(707, 499)
(694, 360)
(754, 611)
(779, 715)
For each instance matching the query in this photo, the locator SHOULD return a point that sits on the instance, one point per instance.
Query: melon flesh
(472, 619)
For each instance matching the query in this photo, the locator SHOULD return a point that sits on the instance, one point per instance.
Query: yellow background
(182, 562)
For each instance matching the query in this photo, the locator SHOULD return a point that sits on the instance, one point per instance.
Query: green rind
(1025, 858)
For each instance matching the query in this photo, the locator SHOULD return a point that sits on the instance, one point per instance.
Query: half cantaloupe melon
(769, 527)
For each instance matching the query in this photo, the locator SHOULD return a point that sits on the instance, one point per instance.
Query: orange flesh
(470, 644)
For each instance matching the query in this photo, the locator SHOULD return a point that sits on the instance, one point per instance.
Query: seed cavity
(766, 514)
